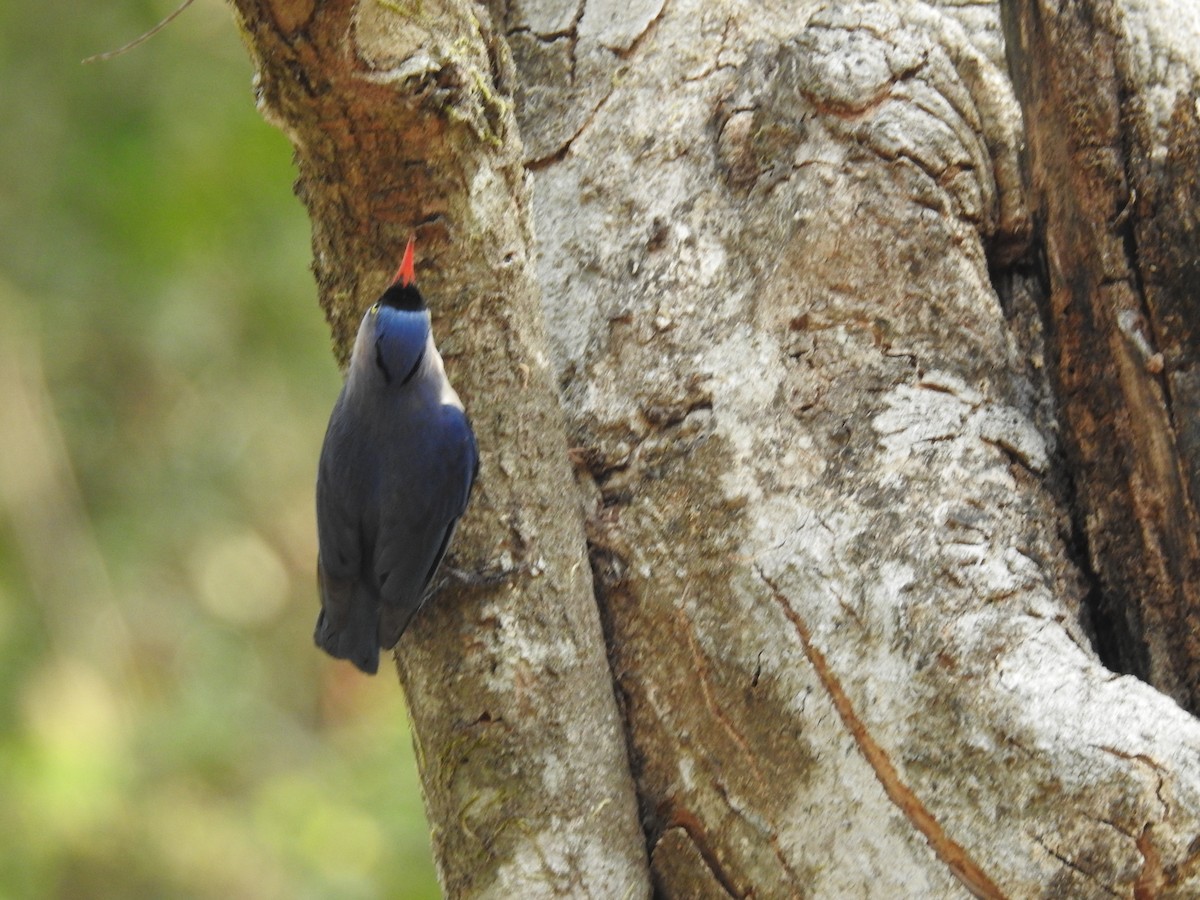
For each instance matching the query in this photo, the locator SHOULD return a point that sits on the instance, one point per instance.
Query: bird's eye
(374, 310)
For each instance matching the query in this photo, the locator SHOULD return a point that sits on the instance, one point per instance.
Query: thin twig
(137, 42)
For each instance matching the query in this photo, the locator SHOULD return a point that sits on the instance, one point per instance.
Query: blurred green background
(168, 729)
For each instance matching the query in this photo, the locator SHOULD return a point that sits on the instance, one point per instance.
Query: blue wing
(348, 625)
(418, 520)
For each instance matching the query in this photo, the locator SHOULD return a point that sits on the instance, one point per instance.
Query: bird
(396, 470)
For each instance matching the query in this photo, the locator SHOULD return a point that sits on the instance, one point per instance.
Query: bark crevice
(953, 855)
(1092, 140)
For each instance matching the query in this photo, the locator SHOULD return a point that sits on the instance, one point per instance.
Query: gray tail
(394, 620)
(355, 637)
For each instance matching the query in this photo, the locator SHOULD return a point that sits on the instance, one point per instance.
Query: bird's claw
(487, 578)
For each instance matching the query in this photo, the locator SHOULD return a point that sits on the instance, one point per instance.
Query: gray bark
(832, 456)
(401, 122)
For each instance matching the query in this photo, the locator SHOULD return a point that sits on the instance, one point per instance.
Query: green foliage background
(166, 727)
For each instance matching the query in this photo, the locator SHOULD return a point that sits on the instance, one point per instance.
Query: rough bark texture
(784, 257)
(1110, 96)
(401, 120)
(827, 521)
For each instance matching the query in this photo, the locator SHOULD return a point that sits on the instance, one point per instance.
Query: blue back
(400, 340)
(395, 475)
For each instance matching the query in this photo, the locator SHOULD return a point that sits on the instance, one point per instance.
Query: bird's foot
(489, 577)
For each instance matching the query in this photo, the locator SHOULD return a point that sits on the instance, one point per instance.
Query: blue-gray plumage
(395, 475)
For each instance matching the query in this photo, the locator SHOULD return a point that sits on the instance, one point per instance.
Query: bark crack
(703, 671)
(561, 152)
(1151, 878)
(571, 33)
(627, 52)
(1074, 866)
(717, 64)
(1156, 770)
(687, 821)
(952, 854)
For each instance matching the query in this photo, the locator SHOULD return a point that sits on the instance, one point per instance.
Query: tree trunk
(882, 400)
(401, 122)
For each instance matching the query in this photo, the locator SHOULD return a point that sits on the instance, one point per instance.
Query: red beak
(405, 275)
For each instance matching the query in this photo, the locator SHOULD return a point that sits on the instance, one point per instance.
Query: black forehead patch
(401, 297)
